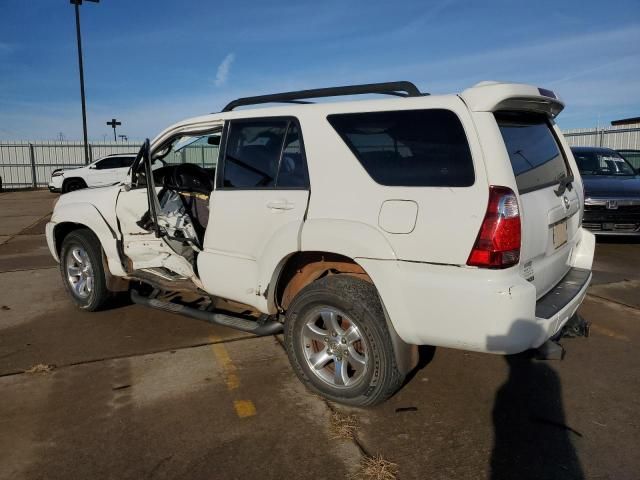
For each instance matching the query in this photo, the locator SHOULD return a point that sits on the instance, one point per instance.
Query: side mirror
(214, 140)
(92, 167)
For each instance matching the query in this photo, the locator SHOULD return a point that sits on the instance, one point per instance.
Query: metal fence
(25, 164)
(620, 137)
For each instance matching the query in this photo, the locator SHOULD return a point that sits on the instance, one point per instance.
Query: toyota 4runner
(359, 228)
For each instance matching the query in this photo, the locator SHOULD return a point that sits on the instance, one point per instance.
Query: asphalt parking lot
(136, 393)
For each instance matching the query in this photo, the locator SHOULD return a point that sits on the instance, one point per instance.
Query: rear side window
(107, 163)
(536, 158)
(126, 162)
(411, 148)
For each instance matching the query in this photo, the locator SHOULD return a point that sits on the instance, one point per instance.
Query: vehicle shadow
(117, 301)
(425, 356)
(531, 437)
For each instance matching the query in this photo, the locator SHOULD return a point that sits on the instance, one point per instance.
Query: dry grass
(376, 468)
(342, 427)
(40, 368)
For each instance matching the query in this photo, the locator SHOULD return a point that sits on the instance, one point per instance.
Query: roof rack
(400, 89)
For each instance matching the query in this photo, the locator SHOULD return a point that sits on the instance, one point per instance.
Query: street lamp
(77, 4)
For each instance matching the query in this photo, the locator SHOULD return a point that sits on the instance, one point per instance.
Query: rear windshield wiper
(564, 184)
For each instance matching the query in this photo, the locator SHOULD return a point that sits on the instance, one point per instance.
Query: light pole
(76, 4)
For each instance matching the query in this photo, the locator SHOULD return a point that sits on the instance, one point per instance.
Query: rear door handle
(280, 205)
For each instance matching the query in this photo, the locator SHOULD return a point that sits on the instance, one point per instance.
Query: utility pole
(76, 4)
(114, 123)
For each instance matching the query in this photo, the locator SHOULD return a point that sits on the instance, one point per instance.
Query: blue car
(612, 191)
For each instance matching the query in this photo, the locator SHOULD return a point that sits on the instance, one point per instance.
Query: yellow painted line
(244, 408)
(228, 368)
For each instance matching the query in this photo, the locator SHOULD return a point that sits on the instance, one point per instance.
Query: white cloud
(223, 70)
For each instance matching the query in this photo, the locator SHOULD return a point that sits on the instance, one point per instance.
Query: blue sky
(151, 63)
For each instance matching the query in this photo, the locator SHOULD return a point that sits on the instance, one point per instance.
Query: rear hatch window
(550, 220)
(410, 148)
(536, 158)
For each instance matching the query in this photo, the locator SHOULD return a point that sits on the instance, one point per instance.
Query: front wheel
(82, 270)
(338, 342)
(73, 184)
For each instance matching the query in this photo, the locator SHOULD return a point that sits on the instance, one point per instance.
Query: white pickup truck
(361, 229)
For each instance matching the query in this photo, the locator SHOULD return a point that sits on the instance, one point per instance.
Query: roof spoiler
(495, 96)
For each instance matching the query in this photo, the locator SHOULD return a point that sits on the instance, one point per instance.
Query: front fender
(87, 215)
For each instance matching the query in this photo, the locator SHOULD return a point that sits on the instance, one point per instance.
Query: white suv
(104, 171)
(360, 228)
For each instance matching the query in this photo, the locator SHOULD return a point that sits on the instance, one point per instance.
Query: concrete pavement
(137, 393)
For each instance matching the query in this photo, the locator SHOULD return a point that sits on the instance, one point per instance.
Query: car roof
(592, 149)
(484, 96)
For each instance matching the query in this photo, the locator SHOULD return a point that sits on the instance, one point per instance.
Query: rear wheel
(73, 184)
(338, 343)
(82, 270)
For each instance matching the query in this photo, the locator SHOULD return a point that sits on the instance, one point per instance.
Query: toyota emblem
(566, 202)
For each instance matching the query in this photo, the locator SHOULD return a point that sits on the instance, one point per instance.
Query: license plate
(559, 234)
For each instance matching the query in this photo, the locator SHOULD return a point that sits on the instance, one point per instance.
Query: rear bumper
(617, 231)
(493, 311)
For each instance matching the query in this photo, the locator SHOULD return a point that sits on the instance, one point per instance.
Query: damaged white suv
(362, 228)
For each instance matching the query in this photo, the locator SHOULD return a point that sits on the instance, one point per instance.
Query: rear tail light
(498, 242)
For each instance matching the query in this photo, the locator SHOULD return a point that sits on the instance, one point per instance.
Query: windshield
(199, 149)
(602, 163)
(631, 156)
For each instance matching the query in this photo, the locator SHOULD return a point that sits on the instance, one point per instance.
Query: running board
(269, 327)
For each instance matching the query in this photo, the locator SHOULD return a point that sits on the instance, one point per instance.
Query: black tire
(73, 184)
(359, 303)
(85, 240)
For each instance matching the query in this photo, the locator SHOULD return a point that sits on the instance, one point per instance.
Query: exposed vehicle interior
(183, 179)
(180, 175)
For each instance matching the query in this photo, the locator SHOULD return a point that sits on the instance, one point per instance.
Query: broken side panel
(142, 247)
